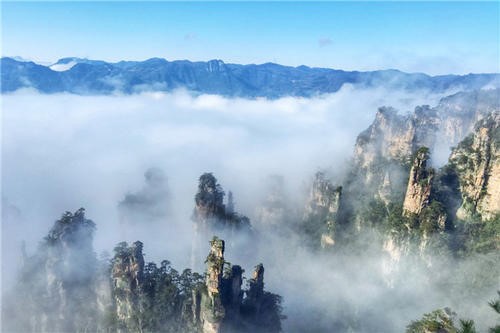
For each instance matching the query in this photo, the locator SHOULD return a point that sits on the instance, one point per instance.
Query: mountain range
(83, 76)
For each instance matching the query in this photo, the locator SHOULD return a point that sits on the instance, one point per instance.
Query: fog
(62, 152)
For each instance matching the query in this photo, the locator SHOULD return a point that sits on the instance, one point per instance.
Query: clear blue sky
(432, 37)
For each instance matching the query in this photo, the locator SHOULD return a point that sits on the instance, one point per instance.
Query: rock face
(213, 312)
(477, 164)
(127, 281)
(384, 150)
(460, 112)
(274, 211)
(12, 242)
(223, 305)
(391, 187)
(209, 209)
(394, 136)
(148, 298)
(383, 154)
(321, 210)
(56, 291)
(419, 184)
(211, 216)
(383, 158)
(149, 205)
(256, 288)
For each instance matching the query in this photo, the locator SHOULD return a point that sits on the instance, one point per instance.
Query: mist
(61, 152)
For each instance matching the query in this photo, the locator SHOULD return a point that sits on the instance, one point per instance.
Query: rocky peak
(150, 205)
(477, 163)
(223, 307)
(127, 274)
(233, 295)
(72, 230)
(384, 151)
(321, 212)
(70, 257)
(213, 311)
(209, 199)
(385, 136)
(216, 66)
(394, 137)
(424, 125)
(230, 203)
(274, 211)
(129, 263)
(256, 284)
(215, 266)
(56, 288)
(211, 216)
(418, 191)
(323, 195)
(461, 111)
(140, 297)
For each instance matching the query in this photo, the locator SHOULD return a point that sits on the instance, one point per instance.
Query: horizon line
(47, 64)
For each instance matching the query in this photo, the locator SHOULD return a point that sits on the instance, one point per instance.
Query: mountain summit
(83, 76)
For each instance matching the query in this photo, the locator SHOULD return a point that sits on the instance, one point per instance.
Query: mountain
(384, 152)
(83, 76)
(394, 187)
(63, 287)
(476, 161)
(212, 217)
(417, 230)
(57, 288)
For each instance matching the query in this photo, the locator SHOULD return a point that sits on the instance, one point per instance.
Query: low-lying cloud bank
(64, 151)
(61, 152)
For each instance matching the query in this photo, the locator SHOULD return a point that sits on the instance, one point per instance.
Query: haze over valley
(243, 195)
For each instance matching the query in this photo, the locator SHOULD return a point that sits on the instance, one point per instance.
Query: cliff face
(148, 298)
(383, 151)
(127, 281)
(210, 209)
(57, 291)
(392, 188)
(395, 137)
(466, 189)
(212, 311)
(422, 215)
(321, 211)
(274, 211)
(148, 206)
(419, 184)
(460, 112)
(211, 216)
(477, 165)
(225, 307)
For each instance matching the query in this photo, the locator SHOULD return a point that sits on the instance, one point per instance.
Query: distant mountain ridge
(84, 76)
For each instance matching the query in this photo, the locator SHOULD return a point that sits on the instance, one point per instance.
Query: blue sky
(432, 37)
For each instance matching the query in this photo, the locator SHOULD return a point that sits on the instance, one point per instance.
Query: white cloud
(190, 36)
(325, 41)
(61, 152)
(83, 150)
(63, 67)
